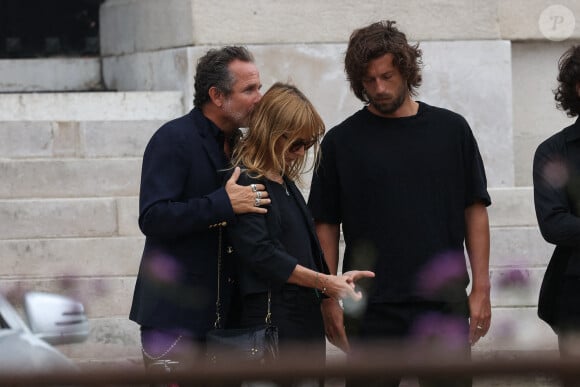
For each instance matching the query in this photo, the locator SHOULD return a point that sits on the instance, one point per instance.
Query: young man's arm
(332, 313)
(477, 245)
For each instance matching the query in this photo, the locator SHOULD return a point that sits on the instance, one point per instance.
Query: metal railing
(373, 363)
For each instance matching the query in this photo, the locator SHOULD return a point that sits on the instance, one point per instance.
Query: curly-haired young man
(556, 175)
(407, 183)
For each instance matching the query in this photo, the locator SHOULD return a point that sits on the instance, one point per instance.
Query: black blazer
(556, 175)
(263, 260)
(182, 205)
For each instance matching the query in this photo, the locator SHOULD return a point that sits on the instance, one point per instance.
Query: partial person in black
(556, 176)
(182, 204)
(406, 182)
(279, 252)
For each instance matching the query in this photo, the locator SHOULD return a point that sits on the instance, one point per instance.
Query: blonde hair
(283, 112)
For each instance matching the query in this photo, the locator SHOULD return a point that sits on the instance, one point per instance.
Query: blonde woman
(279, 251)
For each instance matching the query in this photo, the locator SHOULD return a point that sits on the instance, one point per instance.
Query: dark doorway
(46, 28)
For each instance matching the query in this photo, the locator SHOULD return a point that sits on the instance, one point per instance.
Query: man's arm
(332, 313)
(477, 245)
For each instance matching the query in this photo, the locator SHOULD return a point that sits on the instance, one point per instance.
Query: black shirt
(269, 246)
(294, 236)
(400, 187)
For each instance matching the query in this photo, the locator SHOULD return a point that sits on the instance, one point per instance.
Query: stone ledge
(110, 340)
(56, 218)
(138, 25)
(517, 329)
(50, 74)
(515, 287)
(128, 216)
(90, 106)
(519, 20)
(69, 178)
(519, 247)
(81, 139)
(71, 257)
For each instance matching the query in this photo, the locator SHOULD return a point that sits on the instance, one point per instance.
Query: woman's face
(297, 148)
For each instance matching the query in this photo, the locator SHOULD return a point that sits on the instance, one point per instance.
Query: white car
(52, 319)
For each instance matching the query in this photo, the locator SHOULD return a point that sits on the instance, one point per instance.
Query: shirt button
(229, 249)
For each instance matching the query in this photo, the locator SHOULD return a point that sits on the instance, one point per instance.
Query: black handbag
(255, 344)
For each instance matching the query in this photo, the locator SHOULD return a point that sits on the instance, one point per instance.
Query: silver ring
(254, 188)
(479, 327)
(259, 194)
(257, 202)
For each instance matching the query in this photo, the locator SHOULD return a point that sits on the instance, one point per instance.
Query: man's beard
(240, 118)
(390, 106)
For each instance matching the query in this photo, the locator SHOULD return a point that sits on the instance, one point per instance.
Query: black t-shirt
(400, 187)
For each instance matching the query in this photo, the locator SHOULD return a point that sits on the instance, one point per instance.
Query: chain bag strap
(258, 343)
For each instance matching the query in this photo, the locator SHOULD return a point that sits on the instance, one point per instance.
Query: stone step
(511, 287)
(91, 106)
(69, 178)
(58, 218)
(70, 257)
(44, 139)
(111, 340)
(519, 246)
(68, 218)
(517, 329)
(50, 74)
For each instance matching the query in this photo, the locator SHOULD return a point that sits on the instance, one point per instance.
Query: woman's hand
(356, 275)
(343, 286)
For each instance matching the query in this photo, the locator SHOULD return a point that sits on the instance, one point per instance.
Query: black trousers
(418, 324)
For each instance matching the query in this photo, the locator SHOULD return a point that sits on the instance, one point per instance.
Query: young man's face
(245, 93)
(384, 86)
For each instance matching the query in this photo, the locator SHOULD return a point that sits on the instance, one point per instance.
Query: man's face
(384, 86)
(245, 93)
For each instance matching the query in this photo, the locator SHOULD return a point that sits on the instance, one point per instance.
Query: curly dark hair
(566, 94)
(374, 41)
(212, 70)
